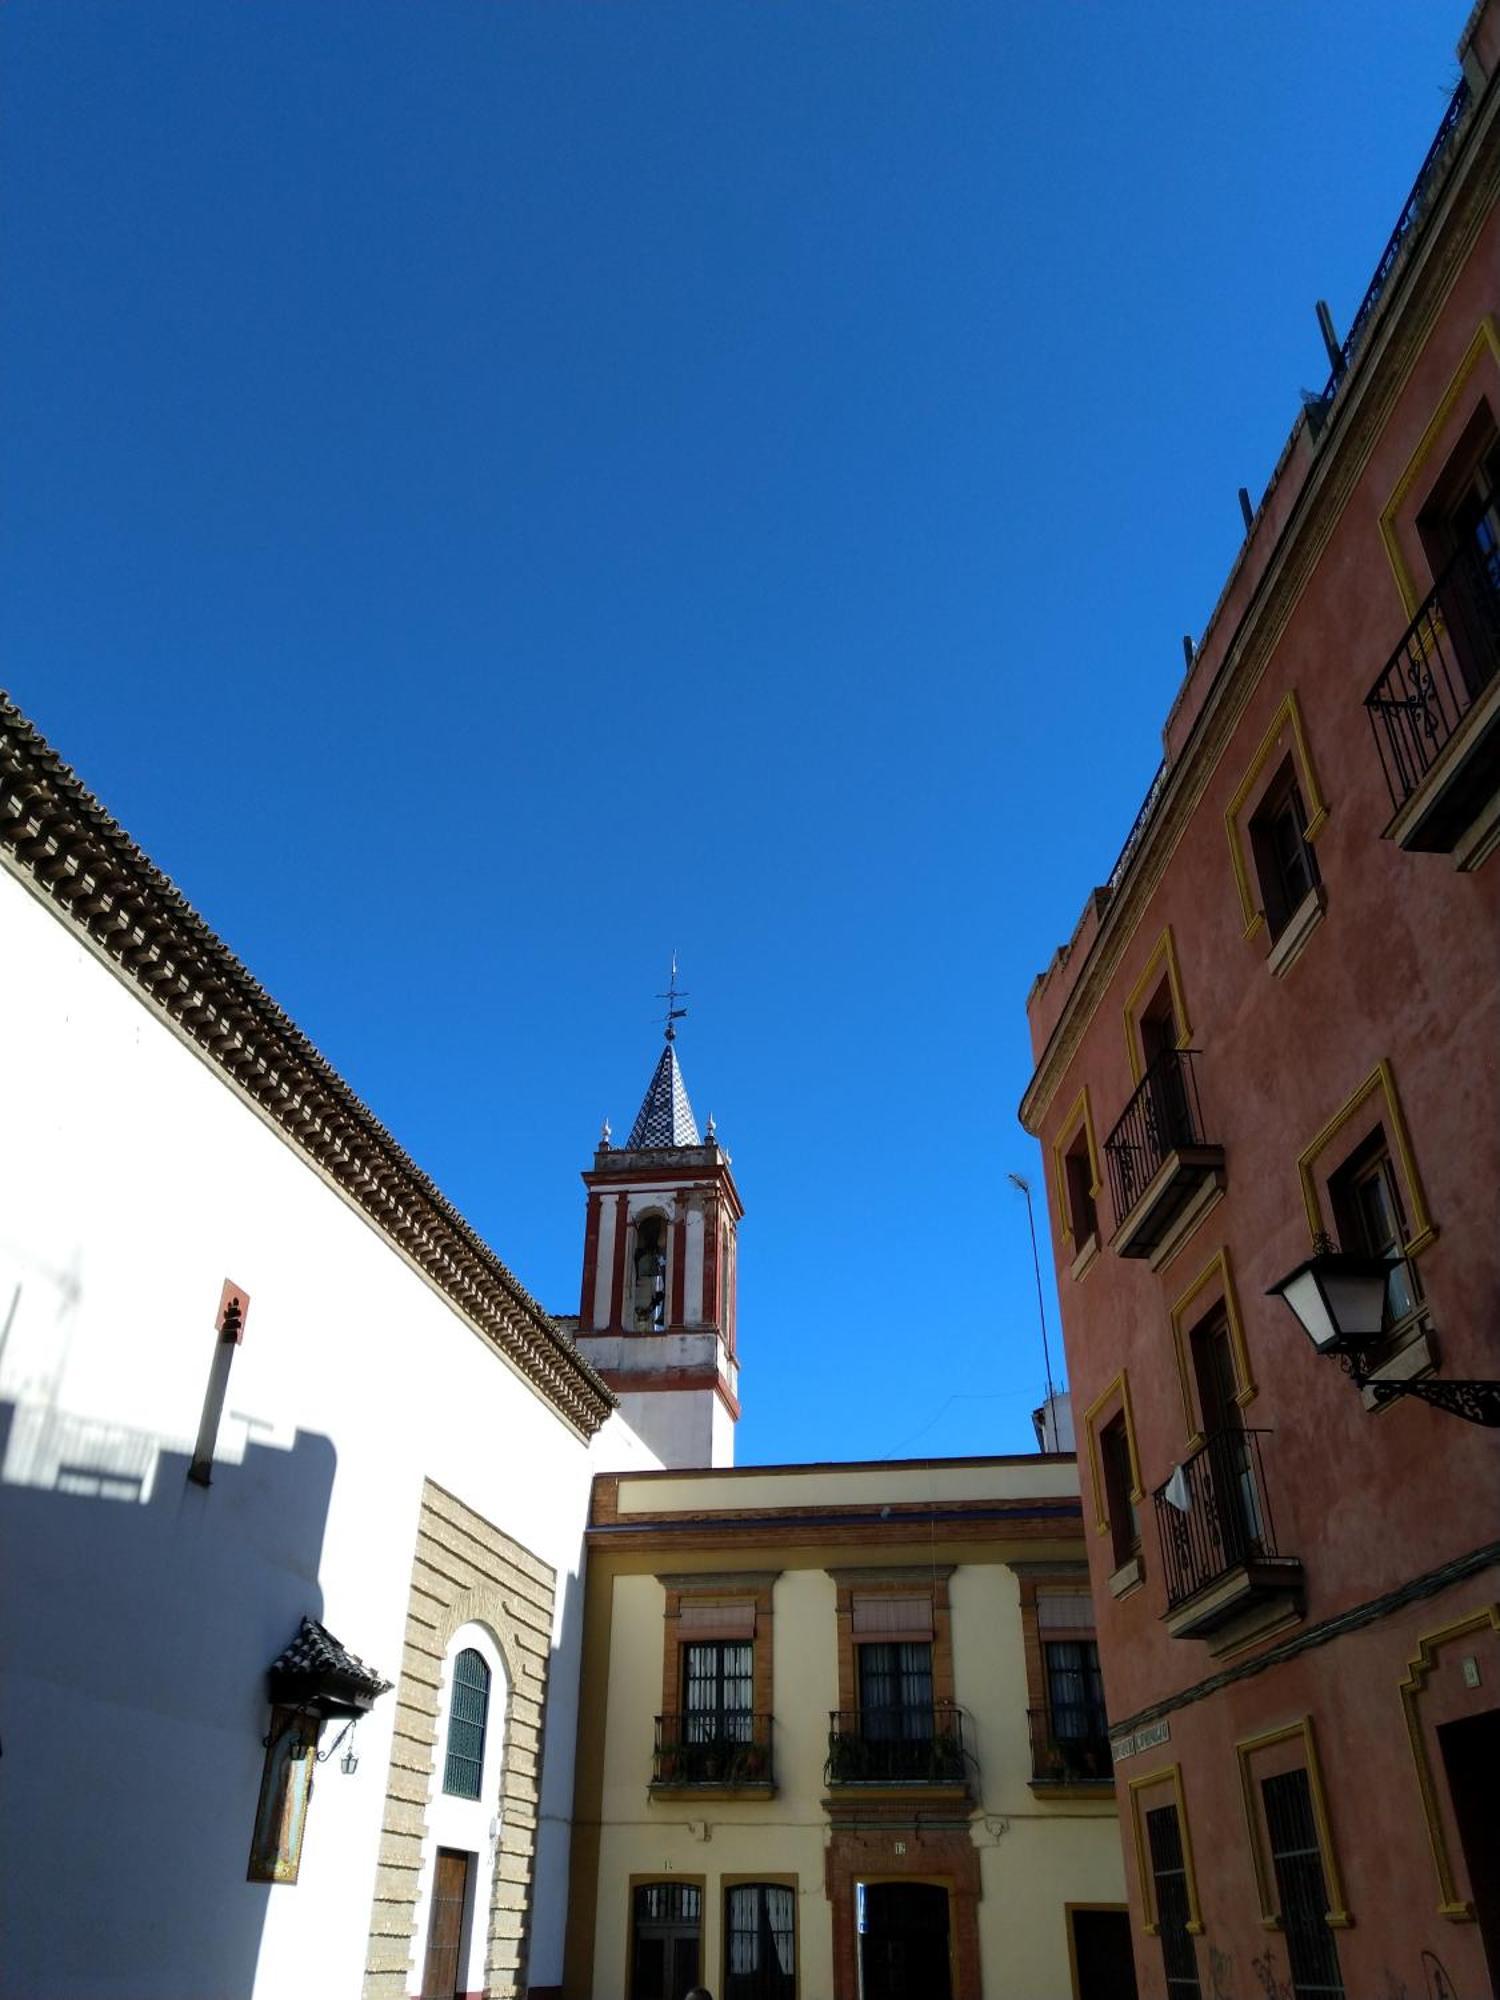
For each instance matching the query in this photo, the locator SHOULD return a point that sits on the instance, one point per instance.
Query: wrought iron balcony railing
(1069, 1746)
(1163, 1117)
(1447, 657)
(897, 1746)
(728, 1750)
(1214, 1514)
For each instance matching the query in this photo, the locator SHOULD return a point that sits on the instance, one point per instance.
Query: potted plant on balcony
(749, 1767)
(947, 1757)
(1051, 1765)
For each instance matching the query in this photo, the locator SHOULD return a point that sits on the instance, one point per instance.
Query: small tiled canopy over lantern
(322, 1678)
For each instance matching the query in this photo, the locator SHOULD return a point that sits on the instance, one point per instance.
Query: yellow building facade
(842, 1737)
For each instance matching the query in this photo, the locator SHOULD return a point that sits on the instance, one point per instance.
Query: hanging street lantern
(1338, 1299)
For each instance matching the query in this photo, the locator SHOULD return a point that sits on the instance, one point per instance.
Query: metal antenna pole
(1017, 1180)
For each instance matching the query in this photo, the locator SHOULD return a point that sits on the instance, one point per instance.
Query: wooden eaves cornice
(58, 835)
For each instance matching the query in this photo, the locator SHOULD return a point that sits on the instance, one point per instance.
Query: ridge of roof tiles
(665, 1117)
(316, 1651)
(102, 884)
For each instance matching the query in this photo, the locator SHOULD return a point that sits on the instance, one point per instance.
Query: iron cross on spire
(673, 994)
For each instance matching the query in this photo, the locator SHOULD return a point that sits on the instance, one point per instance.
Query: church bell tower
(657, 1312)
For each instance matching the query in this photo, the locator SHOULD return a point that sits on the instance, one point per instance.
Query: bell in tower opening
(650, 1295)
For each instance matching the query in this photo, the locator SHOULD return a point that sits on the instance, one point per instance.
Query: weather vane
(672, 995)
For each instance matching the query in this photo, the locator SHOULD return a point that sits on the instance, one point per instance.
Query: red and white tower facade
(657, 1312)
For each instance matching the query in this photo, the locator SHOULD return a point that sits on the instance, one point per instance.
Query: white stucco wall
(142, 1610)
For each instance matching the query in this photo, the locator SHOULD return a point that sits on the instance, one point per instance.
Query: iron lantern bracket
(1477, 1402)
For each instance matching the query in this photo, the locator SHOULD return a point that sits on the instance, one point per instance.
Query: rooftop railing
(1411, 214)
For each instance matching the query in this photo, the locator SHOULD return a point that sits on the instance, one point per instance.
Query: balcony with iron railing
(899, 1746)
(1435, 711)
(716, 1753)
(1226, 1578)
(1162, 1170)
(1070, 1751)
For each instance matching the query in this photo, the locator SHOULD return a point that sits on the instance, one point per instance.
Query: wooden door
(442, 1976)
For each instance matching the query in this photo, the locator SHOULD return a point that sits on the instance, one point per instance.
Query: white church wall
(721, 1449)
(679, 1424)
(143, 1610)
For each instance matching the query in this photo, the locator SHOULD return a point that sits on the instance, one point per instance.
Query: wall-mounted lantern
(1338, 1299)
(313, 1681)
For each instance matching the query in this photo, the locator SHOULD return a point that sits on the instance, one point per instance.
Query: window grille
(668, 1903)
(1173, 1910)
(468, 1715)
(1300, 1887)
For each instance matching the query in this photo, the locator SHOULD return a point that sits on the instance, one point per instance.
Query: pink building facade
(1274, 1032)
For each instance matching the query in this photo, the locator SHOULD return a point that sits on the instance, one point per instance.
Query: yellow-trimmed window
(1208, 1340)
(1291, 1846)
(1115, 1473)
(1277, 812)
(1168, 1877)
(1079, 1181)
(1156, 1016)
(1375, 1107)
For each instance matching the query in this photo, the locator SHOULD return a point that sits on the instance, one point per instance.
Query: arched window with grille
(465, 1802)
(468, 1716)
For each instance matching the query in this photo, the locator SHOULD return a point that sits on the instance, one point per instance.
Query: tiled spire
(665, 1117)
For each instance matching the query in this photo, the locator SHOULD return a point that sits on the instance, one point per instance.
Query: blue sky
(495, 490)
